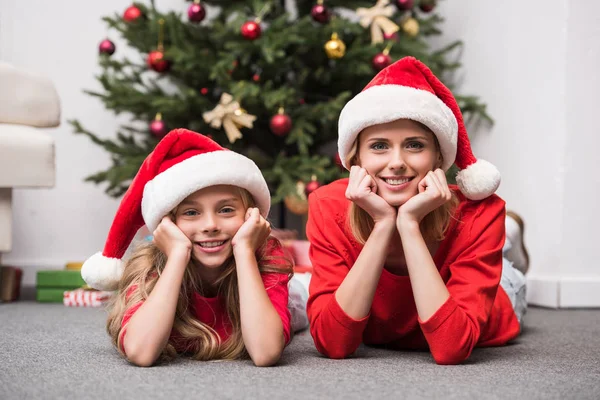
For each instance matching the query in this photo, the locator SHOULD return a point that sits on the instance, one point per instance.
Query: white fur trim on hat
(387, 103)
(102, 273)
(169, 188)
(478, 180)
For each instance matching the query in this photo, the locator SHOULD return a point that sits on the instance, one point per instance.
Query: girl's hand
(253, 233)
(171, 240)
(433, 193)
(362, 191)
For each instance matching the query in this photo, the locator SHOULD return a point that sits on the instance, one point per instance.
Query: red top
(213, 312)
(477, 313)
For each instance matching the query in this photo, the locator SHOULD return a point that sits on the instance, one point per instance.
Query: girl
(211, 284)
(400, 258)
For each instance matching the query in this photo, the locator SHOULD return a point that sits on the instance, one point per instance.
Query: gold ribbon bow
(378, 17)
(229, 114)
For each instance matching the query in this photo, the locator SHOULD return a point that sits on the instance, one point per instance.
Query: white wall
(515, 58)
(536, 65)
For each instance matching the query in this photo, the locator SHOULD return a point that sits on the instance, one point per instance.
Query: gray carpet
(51, 352)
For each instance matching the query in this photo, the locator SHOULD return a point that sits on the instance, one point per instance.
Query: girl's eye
(190, 213)
(227, 210)
(379, 146)
(415, 145)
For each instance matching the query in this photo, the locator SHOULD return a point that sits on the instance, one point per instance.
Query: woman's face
(397, 155)
(210, 218)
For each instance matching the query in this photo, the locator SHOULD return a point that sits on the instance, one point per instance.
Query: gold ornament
(411, 27)
(297, 202)
(229, 114)
(335, 48)
(378, 17)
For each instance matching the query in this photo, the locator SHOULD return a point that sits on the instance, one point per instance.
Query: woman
(401, 258)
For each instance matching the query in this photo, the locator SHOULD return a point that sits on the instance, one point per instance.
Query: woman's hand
(433, 193)
(171, 240)
(362, 191)
(253, 233)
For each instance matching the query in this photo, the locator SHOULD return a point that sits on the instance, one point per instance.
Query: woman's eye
(227, 210)
(378, 146)
(190, 213)
(415, 145)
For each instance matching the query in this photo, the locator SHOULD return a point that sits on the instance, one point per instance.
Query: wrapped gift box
(52, 284)
(85, 298)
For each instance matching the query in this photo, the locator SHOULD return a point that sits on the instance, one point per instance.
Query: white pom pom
(102, 273)
(478, 180)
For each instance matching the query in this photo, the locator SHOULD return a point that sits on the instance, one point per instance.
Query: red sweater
(477, 313)
(213, 312)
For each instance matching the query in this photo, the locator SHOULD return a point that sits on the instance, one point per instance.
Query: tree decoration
(334, 47)
(411, 27)
(156, 59)
(158, 127)
(196, 12)
(106, 47)
(378, 17)
(281, 123)
(312, 185)
(132, 14)
(229, 114)
(320, 13)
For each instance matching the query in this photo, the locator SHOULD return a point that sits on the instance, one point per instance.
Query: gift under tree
(263, 80)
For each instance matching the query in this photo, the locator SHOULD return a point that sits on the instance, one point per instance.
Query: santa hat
(408, 89)
(181, 164)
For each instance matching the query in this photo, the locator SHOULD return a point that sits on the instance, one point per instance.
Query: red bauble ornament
(380, 61)
(106, 47)
(251, 30)
(391, 36)
(311, 186)
(157, 61)
(204, 91)
(196, 13)
(132, 14)
(427, 5)
(256, 77)
(320, 13)
(404, 5)
(281, 124)
(158, 127)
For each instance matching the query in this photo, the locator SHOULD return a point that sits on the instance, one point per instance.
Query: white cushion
(27, 98)
(26, 157)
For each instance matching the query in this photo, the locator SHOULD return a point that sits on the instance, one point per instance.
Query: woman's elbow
(451, 357)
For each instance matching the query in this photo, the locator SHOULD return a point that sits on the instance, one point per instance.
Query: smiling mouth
(396, 181)
(209, 245)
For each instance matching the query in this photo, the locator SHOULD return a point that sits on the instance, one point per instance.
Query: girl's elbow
(266, 359)
(141, 358)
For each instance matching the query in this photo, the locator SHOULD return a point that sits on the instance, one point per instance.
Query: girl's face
(398, 155)
(210, 218)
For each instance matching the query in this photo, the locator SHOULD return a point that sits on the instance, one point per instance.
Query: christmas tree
(259, 79)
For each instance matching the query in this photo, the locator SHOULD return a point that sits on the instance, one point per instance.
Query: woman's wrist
(407, 226)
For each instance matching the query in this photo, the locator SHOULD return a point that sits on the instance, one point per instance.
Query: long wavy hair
(198, 340)
(434, 225)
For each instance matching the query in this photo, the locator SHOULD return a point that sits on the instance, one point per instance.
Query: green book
(49, 295)
(60, 279)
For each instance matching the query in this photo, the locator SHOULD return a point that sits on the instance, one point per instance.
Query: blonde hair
(141, 273)
(434, 225)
